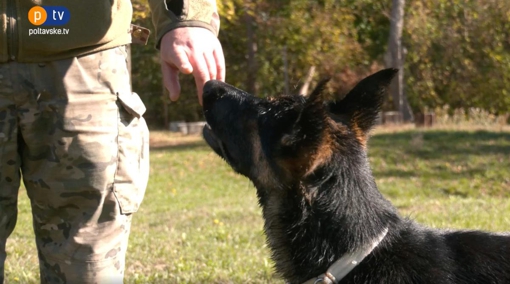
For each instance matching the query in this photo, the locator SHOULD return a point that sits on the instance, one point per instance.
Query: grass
(200, 222)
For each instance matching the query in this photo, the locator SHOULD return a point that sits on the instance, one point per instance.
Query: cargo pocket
(133, 153)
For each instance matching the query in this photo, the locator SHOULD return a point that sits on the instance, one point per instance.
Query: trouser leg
(9, 160)
(85, 165)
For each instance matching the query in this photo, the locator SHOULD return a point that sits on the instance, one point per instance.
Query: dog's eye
(287, 140)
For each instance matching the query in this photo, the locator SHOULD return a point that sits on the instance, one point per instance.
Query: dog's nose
(210, 86)
(211, 91)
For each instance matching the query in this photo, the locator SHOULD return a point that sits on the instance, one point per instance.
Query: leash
(340, 268)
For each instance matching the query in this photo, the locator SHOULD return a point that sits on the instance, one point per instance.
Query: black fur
(319, 199)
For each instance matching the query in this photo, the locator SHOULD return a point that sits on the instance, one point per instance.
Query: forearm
(171, 14)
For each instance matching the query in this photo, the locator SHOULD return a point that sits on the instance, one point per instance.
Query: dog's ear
(310, 119)
(361, 106)
(315, 98)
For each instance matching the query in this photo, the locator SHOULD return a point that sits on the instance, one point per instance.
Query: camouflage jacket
(46, 30)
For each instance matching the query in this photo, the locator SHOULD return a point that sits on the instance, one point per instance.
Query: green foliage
(145, 67)
(307, 33)
(371, 25)
(457, 52)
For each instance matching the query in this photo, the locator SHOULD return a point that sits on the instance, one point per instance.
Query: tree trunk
(395, 59)
(285, 70)
(309, 76)
(251, 46)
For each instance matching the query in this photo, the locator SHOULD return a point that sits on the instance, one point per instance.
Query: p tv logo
(49, 15)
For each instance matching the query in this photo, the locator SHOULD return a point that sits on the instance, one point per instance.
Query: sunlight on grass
(200, 222)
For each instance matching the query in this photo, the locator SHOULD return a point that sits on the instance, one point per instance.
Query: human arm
(186, 32)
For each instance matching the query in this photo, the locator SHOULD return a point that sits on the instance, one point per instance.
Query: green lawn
(200, 222)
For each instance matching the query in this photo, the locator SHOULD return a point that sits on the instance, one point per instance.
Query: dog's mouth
(217, 145)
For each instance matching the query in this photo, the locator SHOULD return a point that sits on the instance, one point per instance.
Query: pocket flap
(132, 103)
(128, 196)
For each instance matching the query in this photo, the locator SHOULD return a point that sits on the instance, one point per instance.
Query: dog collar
(340, 268)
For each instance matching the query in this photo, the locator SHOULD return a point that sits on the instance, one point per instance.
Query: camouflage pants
(75, 133)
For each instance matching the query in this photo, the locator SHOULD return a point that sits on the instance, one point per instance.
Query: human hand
(191, 50)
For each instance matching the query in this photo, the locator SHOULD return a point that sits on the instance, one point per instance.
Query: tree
(458, 52)
(395, 59)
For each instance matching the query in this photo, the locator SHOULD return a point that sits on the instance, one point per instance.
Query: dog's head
(307, 159)
(277, 142)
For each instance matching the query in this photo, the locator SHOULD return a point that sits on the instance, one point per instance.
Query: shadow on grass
(456, 162)
(430, 145)
(433, 173)
(182, 146)
(426, 145)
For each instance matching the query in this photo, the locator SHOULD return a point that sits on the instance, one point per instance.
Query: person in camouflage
(71, 127)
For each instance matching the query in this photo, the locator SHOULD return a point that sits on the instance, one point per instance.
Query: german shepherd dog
(324, 218)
